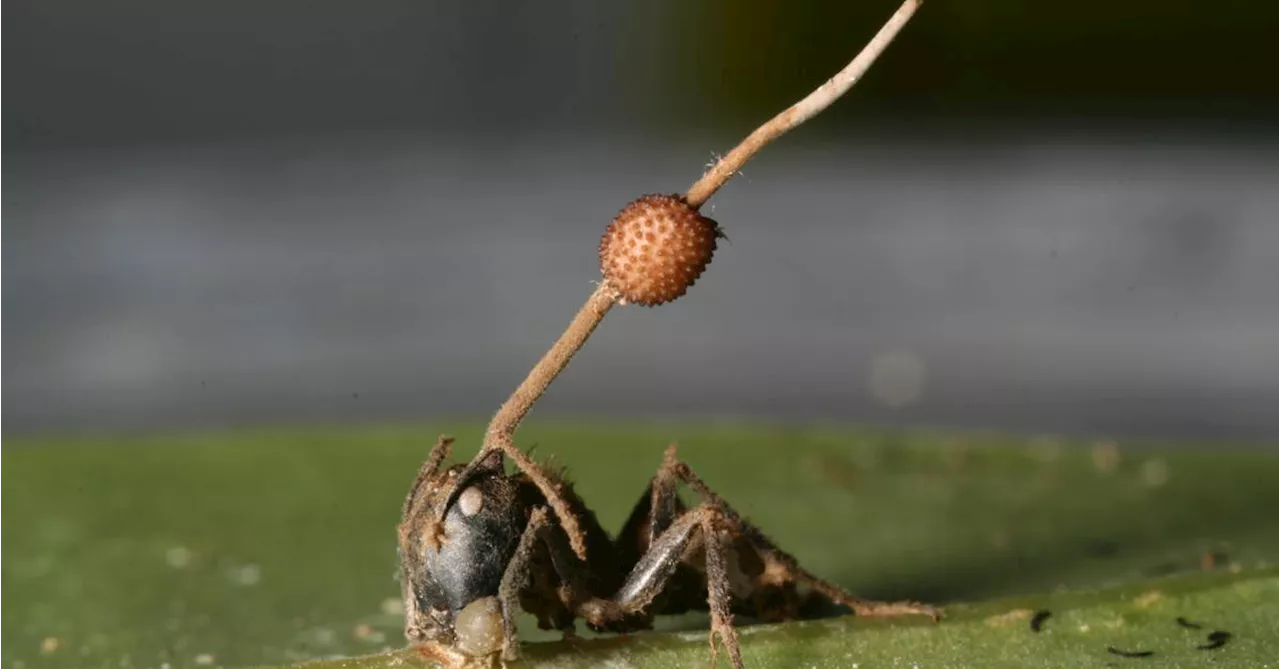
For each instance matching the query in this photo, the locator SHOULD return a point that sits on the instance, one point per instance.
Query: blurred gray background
(228, 213)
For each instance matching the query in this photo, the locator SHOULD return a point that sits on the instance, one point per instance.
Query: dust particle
(366, 633)
(897, 378)
(1148, 598)
(1009, 617)
(323, 636)
(247, 575)
(1154, 473)
(1106, 456)
(49, 645)
(1212, 559)
(393, 606)
(178, 557)
(204, 659)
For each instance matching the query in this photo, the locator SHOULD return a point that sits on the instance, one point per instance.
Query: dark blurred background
(1042, 217)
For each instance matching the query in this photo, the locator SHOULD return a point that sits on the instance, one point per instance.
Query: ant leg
(439, 452)
(716, 541)
(664, 501)
(552, 488)
(515, 578)
(701, 527)
(652, 564)
(411, 508)
(780, 566)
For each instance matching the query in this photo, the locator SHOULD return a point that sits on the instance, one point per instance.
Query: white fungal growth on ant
(479, 628)
(470, 501)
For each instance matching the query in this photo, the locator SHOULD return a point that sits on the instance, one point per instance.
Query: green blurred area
(275, 546)
(969, 60)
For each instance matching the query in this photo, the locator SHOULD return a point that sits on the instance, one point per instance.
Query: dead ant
(503, 551)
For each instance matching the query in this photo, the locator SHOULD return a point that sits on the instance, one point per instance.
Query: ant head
(485, 517)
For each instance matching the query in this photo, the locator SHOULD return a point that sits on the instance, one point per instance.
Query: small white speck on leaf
(392, 606)
(246, 575)
(1105, 456)
(1154, 473)
(178, 557)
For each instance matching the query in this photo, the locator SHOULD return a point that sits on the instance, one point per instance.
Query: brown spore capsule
(656, 248)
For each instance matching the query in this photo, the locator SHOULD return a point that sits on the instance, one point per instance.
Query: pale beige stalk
(802, 111)
(501, 431)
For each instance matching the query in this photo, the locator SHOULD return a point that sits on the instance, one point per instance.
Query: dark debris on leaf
(1038, 619)
(1217, 639)
(1183, 622)
(1130, 653)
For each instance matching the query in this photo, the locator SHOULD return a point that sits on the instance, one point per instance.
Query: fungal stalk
(655, 249)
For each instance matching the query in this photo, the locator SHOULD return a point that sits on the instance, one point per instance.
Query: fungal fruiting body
(656, 248)
(479, 628)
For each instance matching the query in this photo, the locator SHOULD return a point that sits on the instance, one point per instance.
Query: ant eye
(470, 501)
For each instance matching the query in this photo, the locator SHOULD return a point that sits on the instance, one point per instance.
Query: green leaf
(276, 546)
(1169, 620)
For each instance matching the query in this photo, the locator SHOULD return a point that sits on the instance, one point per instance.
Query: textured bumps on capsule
(656, 248)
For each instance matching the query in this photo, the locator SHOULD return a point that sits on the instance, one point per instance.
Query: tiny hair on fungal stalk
(675, 244)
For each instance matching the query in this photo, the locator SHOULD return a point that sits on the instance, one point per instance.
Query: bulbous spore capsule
(479, 627)
(656, 248)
